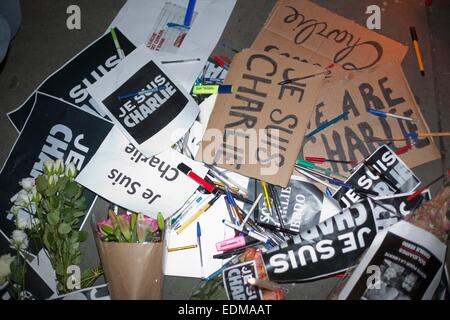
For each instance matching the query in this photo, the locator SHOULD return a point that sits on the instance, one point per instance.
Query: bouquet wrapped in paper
(131, 250)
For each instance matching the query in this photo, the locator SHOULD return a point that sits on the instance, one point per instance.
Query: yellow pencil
(199, 213)
(266, 194)
(192, 246)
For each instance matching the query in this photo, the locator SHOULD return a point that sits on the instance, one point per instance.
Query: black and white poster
(404, 262)
(235, 280)
(383, 173)
(71, 80)
(100, 292)
(335, 245)
(55, 129)
(302, 204)
(153, 121)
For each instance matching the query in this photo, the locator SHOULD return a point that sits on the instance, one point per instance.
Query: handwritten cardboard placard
(257, 130)
(336, 38)
(354, 85)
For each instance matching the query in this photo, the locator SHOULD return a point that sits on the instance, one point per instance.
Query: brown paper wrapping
(133, 270)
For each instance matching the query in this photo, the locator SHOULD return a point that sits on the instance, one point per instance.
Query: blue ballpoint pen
(327, 124)
(383, 114)
(189, 13)
(138, 93)
(199, 242)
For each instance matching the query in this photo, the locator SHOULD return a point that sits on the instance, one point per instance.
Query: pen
(252, 234)
(199, 213)
(382, 114)
(227, 178)
(117, 44)
(138, 93)
(310, 165)
(177, 26)
(199, 242)
(427, 134)
(188, 171)
(328, 123)
(196, 203)
(322, 160)
(249, 213)
(212, 89)
(316, 179)
(179, 61)
(287, 81)
(189, 13)
(266, 195)
(420, 190)
(415, 41)
(403, 149)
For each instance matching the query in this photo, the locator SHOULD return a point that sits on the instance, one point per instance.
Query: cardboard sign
(71, 80)
(260, 126)
(390, 172)
(235, 281)
(151, 121)
(339, 40)
(120, 173)
(366, 74)
(55, 129)
(409, 261)
(303, 206)
(336, 244)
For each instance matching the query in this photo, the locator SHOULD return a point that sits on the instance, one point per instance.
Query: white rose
(49, 167)
(5, 262)
(23, 223)
(27, 184)
(15, 209)
(23, 199)
(19, 239)
(52, 180)
(59, 166)
(71, 170)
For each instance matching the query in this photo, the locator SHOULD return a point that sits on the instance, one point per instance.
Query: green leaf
(78, 214)
(80, 204)
(62, 182)
(51, 191)
(53, 217)
(82, 236)
(47, 206)
(41, 183)
(160, 219)
(64, 228)
(72, 188)
(107, 229)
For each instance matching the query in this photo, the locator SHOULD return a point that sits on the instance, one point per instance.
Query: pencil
(199, 213)
(192, 246)
(266, 195)
(415, 41)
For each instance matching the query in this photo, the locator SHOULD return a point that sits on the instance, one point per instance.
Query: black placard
(235, 281)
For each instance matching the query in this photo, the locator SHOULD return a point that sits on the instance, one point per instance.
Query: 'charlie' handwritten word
(306, 28)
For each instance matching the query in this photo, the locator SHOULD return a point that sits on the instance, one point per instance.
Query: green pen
(310, 165)
(117, 44)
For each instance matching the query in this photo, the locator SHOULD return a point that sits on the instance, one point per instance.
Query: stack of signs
(54, 129)
(404, 262)
(303, 206)
(335, 244)
(257, 130)
(367, 73)
(71, 80)
(383, 173)
(235, 280)
(153, 121)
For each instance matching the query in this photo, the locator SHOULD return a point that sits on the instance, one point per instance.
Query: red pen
(420, 190)
(322, 160)
(404, 149)
(188, 171)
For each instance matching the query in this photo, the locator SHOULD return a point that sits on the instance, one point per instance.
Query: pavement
(44, 43)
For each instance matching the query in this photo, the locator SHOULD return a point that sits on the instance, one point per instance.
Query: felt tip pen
(382, 114)
(249, 233)
(212, 89)
(177, 26)
(117, 44)
(415, 41)
(233, 243)
(188, 171)
(231, 253)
